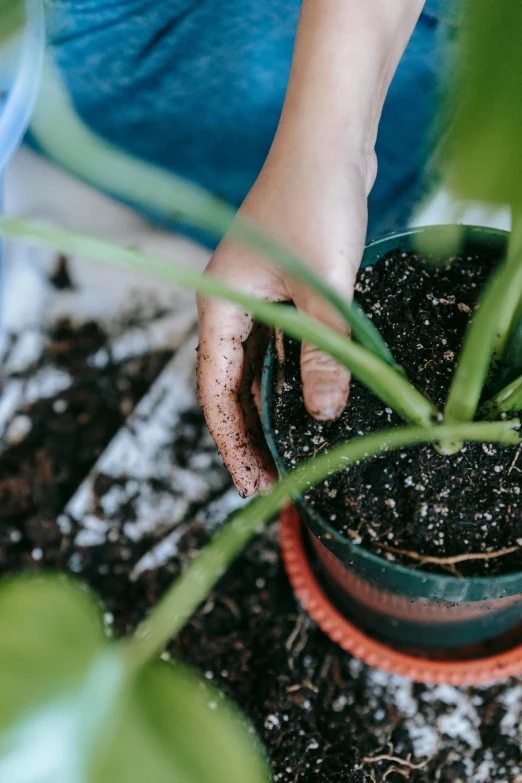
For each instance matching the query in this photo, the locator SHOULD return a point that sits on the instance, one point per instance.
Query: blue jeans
(196, 87)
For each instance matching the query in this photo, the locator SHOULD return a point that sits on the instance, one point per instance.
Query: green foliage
(60, 132)
(510, 365)
(50, 632)
(498, 304)
(386, 382)
(74, 710)
(482, 156)
(482, 160)
(175, 726)
(76, 707)
(508, 399)
(484, 83)
(12, 17)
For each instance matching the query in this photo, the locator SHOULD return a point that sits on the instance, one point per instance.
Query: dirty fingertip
(326, 401)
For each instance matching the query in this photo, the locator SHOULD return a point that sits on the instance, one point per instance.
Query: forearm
(346, 53)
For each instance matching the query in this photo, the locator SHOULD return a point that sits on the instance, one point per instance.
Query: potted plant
(401, 591)
(392, 586)
(108, 706)
(74, 705)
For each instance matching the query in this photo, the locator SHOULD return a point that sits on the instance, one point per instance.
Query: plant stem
(388, 384)
(508, 399)
(193, 586)
(486, 335)
(514, 260)
(60, 132)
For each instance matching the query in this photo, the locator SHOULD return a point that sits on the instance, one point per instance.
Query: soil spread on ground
(68, 430)
(414, 499)
(323, 716)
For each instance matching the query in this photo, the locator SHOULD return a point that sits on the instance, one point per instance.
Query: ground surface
(142, 488)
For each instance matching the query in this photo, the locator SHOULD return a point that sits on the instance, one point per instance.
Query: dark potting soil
(322, 716)
(65, 433)
(413, 499)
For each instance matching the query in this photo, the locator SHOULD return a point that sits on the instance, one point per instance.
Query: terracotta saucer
(474, 669)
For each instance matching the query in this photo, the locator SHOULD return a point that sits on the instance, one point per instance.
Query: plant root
(515, 458)
(396, 760)
(449, 562)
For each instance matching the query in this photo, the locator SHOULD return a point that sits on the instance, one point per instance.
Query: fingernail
(325, 401)
(244, 493)
(331, 413)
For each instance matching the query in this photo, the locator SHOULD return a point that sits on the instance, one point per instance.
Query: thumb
(326, 384)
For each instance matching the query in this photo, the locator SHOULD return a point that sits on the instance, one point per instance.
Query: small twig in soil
(513, 461)
(449, 561)
(325, 668)
(396, 760)
(305, 684)
(295, 633)
(399, 770)
(320, 447)
(430, 361)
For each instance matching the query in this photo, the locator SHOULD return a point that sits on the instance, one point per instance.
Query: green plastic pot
(395, 603)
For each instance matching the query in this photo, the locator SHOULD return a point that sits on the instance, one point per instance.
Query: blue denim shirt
(196, 87)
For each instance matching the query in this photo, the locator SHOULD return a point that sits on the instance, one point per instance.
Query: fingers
(250, 398)
(225, 379)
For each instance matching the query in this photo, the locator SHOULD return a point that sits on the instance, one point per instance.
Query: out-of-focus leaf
(482, 155)
(177, 727)
(50, 631)
(72, 709)
(12, 17)
(440, 244)
(59, 682)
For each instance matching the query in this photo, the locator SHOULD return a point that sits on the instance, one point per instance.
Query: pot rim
(505, 584)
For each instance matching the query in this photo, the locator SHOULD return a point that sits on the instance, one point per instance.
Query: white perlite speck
(462, 721)
(511, 722)
(18, 429)
(272, 722)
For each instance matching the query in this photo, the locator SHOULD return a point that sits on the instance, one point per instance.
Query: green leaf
(482, 159)
(177, 727)
(507, 400)
(384, 381)
(482, 150)
(50, 630)
(73, 711)
(58, 682)
(12, 17)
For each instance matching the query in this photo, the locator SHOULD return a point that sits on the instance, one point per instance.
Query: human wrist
(345, 55)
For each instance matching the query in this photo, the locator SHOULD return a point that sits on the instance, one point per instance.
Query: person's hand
(319, 209)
